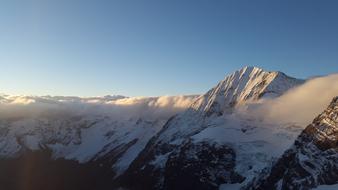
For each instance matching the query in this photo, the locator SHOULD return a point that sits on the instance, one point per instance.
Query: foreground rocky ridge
(312, 160)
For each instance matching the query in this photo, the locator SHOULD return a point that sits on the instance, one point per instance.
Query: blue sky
(159, 47)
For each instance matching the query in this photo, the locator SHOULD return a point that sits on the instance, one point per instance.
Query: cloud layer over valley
(114, 106)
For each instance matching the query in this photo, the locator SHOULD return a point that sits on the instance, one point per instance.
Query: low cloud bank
(118, 107)
(301, 104)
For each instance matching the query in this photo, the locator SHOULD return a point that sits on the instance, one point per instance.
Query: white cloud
(118, 107)
(301, 104)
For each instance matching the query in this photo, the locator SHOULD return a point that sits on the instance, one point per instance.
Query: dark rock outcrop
(312, 160)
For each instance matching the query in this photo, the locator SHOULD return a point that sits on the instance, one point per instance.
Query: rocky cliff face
(312, 160)
(201, 165)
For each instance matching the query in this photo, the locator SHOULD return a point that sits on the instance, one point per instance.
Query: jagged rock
(201, 166)
(312, 160)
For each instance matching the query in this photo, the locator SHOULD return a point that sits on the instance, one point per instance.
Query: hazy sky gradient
(158, 47)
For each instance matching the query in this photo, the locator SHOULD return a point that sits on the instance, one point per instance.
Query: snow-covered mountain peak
(244, 85)
(192, 142)
(249, 69)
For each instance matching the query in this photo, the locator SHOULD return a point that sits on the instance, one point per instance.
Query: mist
(117, 107)
(301, 104)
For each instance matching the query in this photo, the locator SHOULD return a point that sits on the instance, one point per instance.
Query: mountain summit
(244, 85)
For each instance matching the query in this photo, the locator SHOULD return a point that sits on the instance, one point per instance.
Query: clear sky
(159, 47)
